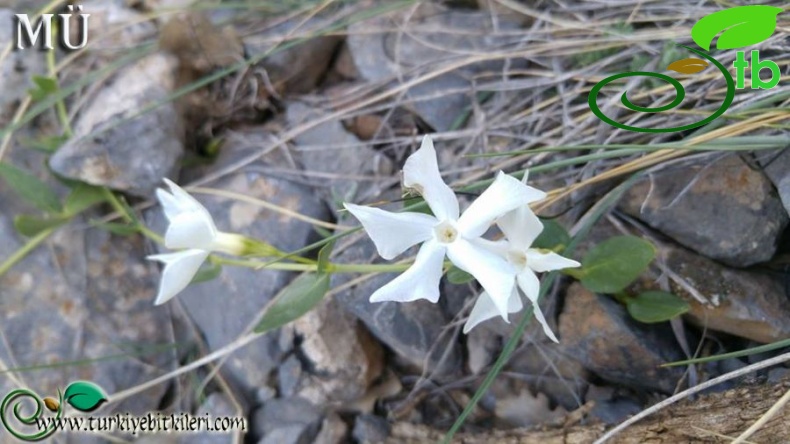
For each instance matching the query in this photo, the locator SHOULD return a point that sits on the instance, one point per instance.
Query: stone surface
(402, 45)
(718, 206)
(83, 295)
(223, 308)
(328, 149)
(216, 405)
(18, 67)
(128, 155)
(287, 421)
(776, 164)
(598, 332)
(412, 329)
(370, 429)
(749, 304)
(342, 358)
(294, 68)
(333, 430)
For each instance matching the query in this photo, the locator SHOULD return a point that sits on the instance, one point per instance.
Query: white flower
(521, 227)
(192, 228)
(444, 233)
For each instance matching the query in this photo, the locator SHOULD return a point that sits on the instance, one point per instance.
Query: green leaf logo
(740, 26)
(84, 396)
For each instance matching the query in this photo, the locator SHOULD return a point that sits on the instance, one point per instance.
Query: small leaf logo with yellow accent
(690, 65)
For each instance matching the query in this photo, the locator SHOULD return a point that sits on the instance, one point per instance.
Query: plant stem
(60, 104)
(333, 268)
(31, 244)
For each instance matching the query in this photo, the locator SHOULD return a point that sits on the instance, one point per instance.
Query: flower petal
(393, 233)
(178, 202)
(485, 309)
(540, 261)
(529, 284)
(493, 272)
(194, 229)
(506, 193)
(179, 270)
(421, 171)
(542, 319)
(521, 226)
(420, 281)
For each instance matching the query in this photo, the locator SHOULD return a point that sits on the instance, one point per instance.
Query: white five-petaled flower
(190, 228)
(521, 227)
(445, 233)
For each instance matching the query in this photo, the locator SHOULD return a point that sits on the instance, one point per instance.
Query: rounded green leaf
(299, 297)
(31, 226)
(30, 188)
(740, 26)
(82, 197)
(656, 306)
(553, 237)
(84, 396)
(613, 264)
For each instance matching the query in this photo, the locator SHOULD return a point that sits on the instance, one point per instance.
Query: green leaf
(457, 276)
(656, 306)
(46, 84)
(613, 264)
(31, 225)
(299, 297)
(30, 188)
(323, 258)
(740, 26)
(44, 87)
(82, 197)
(84, 396)
(207, 272)
(553, 237)
(45, 144)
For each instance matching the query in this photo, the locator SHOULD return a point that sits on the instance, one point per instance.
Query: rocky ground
(333, 98)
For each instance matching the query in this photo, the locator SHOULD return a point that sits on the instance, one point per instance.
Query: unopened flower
(521, 227)
(445, 233)
(191, 228)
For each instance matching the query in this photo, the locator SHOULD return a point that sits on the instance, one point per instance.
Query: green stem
(290, 266)
(60, 104)
(121, 209)
(19, 254)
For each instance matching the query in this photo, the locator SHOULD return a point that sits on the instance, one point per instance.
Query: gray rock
(330, 149)
(294, 68)
(17, 69)
(402, 45)
(287, 421)
(333, 430)
(370, 429)
(83, 295)
(596, 331)
(216, 405)
(718, 206)
(776, 164)
(289, 375)
(223, 308)
(343, 360)
(413, 329)
(127, 155)
(749, 304)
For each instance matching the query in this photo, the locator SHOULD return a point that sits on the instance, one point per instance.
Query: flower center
(445, 232)
(517, 258)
